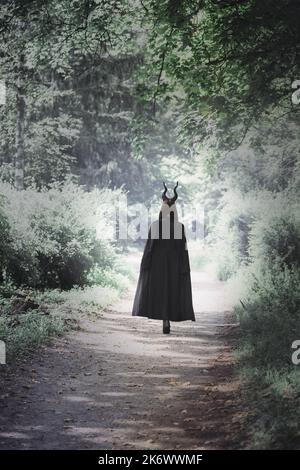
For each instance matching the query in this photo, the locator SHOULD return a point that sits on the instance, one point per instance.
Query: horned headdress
(170, 200)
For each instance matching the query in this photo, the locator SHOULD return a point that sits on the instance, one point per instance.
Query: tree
(40, 40)
(225, 64)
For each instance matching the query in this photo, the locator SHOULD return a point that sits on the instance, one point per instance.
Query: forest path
(119, 383)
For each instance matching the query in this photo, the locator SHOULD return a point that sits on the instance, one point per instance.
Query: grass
(269, 320)
(77, 297)
(57, 312)
(28, 331)
(274, 398)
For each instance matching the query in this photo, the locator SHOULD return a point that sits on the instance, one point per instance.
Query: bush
(231, 233)
(267, 290)
(256, 227)
(28, 331)
(54, 235)
(107, 277)
(275, 238)
(4, 239)
(270, 316)
(274, 395)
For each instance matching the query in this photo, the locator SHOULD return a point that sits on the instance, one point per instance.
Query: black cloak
(164, 288)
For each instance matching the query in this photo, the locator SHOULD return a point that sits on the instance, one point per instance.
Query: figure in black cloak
(164, 289)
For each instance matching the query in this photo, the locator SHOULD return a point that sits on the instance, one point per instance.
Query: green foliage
(255, 226)
(54, 238)
(274, 395)
(117, 277)
(276, 237)
(267, 292)
(95, 295)
(267, 160)
(28, 331)
(73, 63)
(107, 277)
(57, 312)
(4, 237)
(230, 234)
(270, 316)
(48, 149)
(224, 64)
(268, 286)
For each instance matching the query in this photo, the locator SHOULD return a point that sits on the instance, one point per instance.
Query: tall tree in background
(78, 107)
(43, 42)
(20, 112)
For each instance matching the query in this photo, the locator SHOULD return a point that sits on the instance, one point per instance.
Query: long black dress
(164, 285)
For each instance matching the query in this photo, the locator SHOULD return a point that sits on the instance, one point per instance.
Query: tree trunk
(20, 121)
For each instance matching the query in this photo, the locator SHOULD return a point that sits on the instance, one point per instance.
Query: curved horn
(175, 192)
(164, 193)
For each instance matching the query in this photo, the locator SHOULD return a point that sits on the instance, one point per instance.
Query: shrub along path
(119, 383)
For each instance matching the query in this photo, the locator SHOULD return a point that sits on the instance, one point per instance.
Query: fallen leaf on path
(173, 382)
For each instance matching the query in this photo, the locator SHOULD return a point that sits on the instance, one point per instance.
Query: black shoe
(166, 326)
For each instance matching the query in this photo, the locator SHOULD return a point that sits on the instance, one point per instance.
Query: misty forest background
(105, 98)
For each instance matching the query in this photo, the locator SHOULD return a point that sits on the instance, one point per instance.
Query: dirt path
(119, 383)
